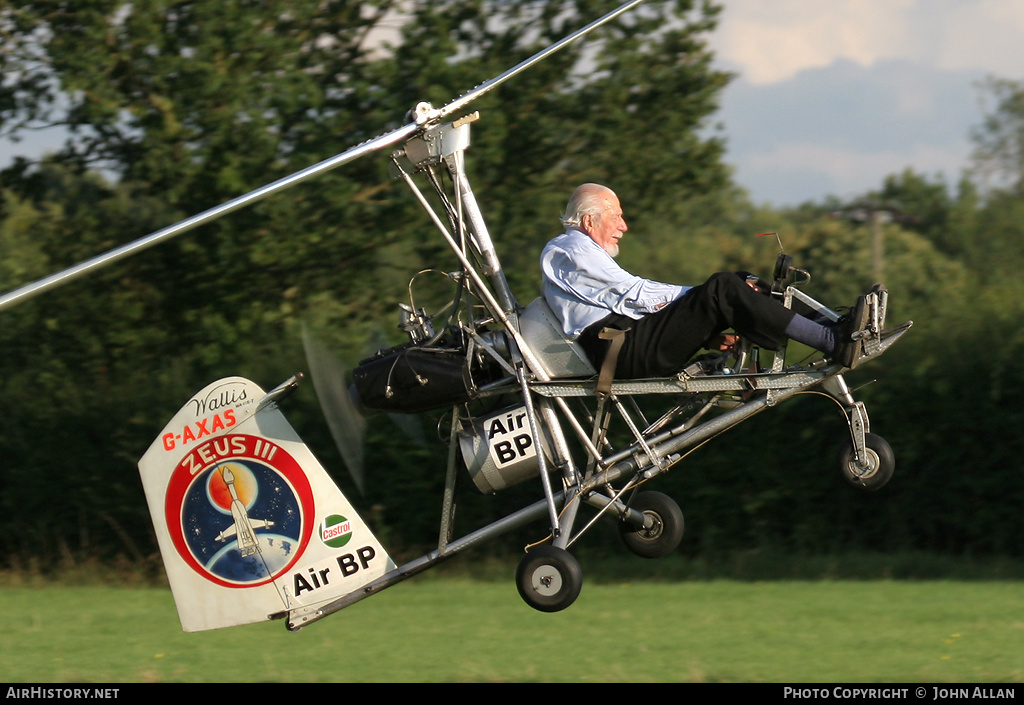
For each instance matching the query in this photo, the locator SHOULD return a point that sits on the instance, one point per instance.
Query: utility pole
(878, 243)
(875, 214)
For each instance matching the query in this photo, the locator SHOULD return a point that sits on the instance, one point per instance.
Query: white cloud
(835, 95)
(844, 173)
(985, 34)
(770, 41)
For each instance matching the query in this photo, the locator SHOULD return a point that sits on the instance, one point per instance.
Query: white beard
(612, 250)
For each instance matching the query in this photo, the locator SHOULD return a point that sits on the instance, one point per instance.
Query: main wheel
(549, 579)
(877, 467)
(666, 532)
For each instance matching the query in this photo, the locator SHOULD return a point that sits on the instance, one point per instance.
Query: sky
(832, 96)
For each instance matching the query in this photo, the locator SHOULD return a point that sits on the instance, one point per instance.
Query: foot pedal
(881, 302)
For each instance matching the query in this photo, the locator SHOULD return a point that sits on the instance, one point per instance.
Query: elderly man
(666, 323)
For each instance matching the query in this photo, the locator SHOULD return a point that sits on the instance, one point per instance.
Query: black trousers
(661, 343)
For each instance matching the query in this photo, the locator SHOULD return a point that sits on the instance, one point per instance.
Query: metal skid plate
(876, 345)
(684, 384)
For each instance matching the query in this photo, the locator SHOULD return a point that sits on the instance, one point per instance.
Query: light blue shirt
(583, 284)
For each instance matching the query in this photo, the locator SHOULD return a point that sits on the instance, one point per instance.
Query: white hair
(588, 199)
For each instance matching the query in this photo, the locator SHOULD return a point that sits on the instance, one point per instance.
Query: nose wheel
(873, 469)
(549, 579)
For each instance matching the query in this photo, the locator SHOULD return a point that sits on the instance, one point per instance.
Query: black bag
(411, 379)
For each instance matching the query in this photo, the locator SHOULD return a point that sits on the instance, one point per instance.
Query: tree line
(173, 108)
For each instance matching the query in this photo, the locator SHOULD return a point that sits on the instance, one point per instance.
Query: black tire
(549, 579)
(666, 534)
(880, 464)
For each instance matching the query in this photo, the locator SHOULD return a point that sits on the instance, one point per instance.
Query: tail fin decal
(250, 525)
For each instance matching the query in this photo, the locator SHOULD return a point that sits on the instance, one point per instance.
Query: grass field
(444, 629)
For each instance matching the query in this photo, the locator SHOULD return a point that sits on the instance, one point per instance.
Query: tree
(999, 140)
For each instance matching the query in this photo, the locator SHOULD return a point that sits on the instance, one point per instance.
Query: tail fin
(250, 526)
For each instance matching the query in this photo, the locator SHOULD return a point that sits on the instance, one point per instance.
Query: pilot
(666, 324)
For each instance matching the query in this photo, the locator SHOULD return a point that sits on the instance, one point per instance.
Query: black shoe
(850, 347)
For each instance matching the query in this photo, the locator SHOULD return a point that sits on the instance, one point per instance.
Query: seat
(559, 355)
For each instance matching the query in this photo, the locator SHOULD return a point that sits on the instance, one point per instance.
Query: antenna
(777, 237)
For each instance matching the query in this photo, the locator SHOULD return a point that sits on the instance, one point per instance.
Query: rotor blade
(412, 426)
(409, 424)
(422, 119)
(13, 297)
(347, 425)
(486, 86)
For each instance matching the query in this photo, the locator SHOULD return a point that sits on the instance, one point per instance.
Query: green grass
(446, 629)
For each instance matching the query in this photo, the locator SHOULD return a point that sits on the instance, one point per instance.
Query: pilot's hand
(726, 342)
